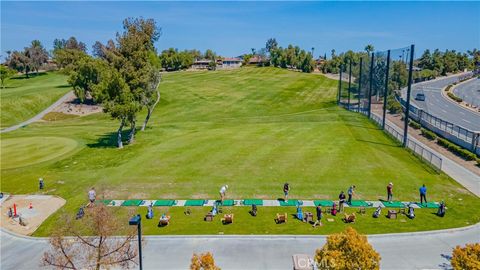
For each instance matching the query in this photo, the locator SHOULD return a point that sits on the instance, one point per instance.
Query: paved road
(438, 105)
(39, 116)
(428, 250)
(469, 91)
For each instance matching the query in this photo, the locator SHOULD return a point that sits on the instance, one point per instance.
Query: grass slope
(252, 128)
(23, 98)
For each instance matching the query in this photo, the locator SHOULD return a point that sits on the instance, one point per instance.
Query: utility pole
(371, 85)
(385, 92)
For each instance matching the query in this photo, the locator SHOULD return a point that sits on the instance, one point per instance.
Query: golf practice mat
(323, 203)
(393, 204)
(428, 205)
(195, 202)
(359, 203)
(288, 203)
(165, 203)
(132, 202)
(225, 202)
(252, 201)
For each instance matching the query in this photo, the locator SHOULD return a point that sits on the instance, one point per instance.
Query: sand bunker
(42, 207)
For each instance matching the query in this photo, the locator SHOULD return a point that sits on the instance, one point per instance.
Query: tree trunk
(131, 136)
(150, 111)
(119, 134)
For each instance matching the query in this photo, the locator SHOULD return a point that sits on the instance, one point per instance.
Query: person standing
(319, 217)
(223, 190)
(423, 194)
(351, 191)
(286, 189)
(341, 201)
(390, 192)
(91, 196)
(41, 184)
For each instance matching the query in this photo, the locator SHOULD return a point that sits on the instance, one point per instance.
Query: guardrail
(459, 135)
(417, 149)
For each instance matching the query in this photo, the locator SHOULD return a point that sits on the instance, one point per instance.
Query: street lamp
(137, 220)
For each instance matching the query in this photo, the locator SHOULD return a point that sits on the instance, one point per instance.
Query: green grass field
(252, 129)
(23, 98)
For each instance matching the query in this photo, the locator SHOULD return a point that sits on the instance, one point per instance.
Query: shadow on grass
(361, 126)
(385, 144)
(63, 86)
(109, 140)
(30, 75)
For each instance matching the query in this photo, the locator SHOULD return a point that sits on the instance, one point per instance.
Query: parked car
(420, 97)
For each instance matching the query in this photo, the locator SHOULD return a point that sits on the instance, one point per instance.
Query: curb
(453, 101)
(269, 237)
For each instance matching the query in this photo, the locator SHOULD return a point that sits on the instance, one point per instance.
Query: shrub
(347, 250)
(467, 257)
(452, 96)
(457, 150)
(428, 134)
(393, 106)
(203, 261)
(414, 125)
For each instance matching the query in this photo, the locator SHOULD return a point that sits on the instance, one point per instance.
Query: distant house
(229, 62)
(255, 60)
(201, 64)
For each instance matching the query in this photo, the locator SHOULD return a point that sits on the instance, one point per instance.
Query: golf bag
(377, 212)
(149, 212)
(441, 210)
(334, 209)
(411, 212)
(253, 212)
(80, 213)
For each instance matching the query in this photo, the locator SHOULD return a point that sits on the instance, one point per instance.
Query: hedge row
(428, 134)
(452, 96)
(414, 124)
(459, 151)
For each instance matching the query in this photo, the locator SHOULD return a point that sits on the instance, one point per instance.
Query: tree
(467, 257)
(426, 61)
(84, 76)
(20, 62)
(152, 93)
(66, 53)
(369, 48)
(210, 55)
(203, 261)
(116, 96)
(5, 73)
(271, 45)
(69, 249)
(37, 54)
(347, 250)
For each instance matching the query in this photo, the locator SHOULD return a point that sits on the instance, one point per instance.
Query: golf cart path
(420, 250)
(40, 115)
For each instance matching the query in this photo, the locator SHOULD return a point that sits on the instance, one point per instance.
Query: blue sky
(232, 28)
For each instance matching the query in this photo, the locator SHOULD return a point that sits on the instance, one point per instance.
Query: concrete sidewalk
(40, 115)
(422, 250)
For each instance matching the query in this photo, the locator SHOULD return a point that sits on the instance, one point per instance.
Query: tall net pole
(340, 87)
(369, 96)
(349, 84)
(359, 83)
(385, 92)
(409, 89)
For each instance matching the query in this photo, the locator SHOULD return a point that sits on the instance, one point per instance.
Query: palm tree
(369, 48)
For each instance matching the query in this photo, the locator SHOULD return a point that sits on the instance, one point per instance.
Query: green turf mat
(105, 202)
(393, 204)
(252, 201)
(195, 202)
(132, 202)
(165, 203)
(288, 203)
(323, 203)
(428, 205)
(359, 203)
(226, 202)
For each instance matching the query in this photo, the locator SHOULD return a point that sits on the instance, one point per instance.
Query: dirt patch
(42, 207)
(72, 106)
